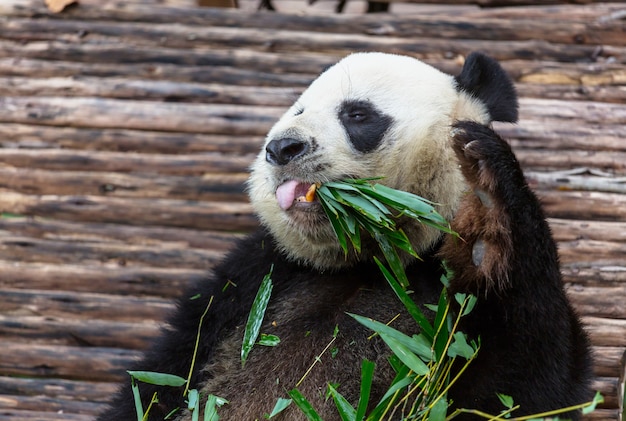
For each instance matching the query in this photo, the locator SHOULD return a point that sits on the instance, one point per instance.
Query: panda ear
(483, 78)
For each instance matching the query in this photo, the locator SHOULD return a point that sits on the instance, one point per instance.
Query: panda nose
(283, 151)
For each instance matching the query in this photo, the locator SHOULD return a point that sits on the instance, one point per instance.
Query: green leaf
(193, 400)
(597, 399)
(255, 318)
(409, 342)
(441, 324)
(411, 307)
(158, 379)
(346, 411)
(406, 356)
(137, 398)
(269, 340)
(459, 347)
(506, 400)
(392, 259)
(210, 408)
(281, 405)
(367, 377)
(469, 306)
(304, 405)
(439, 410)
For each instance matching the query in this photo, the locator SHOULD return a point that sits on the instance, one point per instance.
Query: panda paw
(488, 163)
(484, 219)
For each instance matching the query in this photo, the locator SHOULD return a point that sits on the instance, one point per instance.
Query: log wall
(126, 131)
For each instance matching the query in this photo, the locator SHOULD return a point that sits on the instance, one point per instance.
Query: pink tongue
(286, 194)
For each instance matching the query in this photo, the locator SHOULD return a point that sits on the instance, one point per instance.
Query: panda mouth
(296, 193)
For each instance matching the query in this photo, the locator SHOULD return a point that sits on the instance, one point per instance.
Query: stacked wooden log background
(126, 130)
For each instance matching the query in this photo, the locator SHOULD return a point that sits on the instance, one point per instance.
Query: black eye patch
(364, 123)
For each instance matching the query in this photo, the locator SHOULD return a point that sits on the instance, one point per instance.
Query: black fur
(364, 124)
(484, 78)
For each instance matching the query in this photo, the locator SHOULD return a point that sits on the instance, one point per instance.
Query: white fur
(414, 155)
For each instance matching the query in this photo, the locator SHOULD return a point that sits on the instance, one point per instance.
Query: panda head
(372, 115)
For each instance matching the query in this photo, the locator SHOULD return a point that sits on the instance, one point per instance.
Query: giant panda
(422, 131)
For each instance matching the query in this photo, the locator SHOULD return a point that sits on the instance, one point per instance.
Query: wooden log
(572, 229)
(455, 27)
(152, 60)
(28, 249)
(595, 275)
(79, 332)
(25, 136)
(605, 302)
(21, 415)
(559, 135)
(248, 72)
(127, 114)
(43, 404)
(58, 388)
(606, 332)
(172, 213)
(209, 187)
(74, 363)
(601, 415)
(607, 360)
(86, 160)
(84, 306)
(562, 10)
(584, 205)
(607, 386)
(160, 90)
(604, 252)
(603, 93)
(118, 233)
(539, 109)
(140, 281)
(546, 161)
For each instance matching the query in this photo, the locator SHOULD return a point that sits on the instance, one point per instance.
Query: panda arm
(532, 343)
(228, 294)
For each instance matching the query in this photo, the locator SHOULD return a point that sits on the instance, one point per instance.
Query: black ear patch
(364, 123)
(484, 78)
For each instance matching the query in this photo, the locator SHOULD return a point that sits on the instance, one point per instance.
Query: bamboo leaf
(406, 356)
(255, 318)
(158, 379)
(346, 411)
(137, 398)
(414, 346)
(460, 347)
(392, 258)
(367, 377)
(281, 405)
(304, 405)
(269, 340)
(210, 408)
(411, 307)
(438, 410)
(597, 399)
